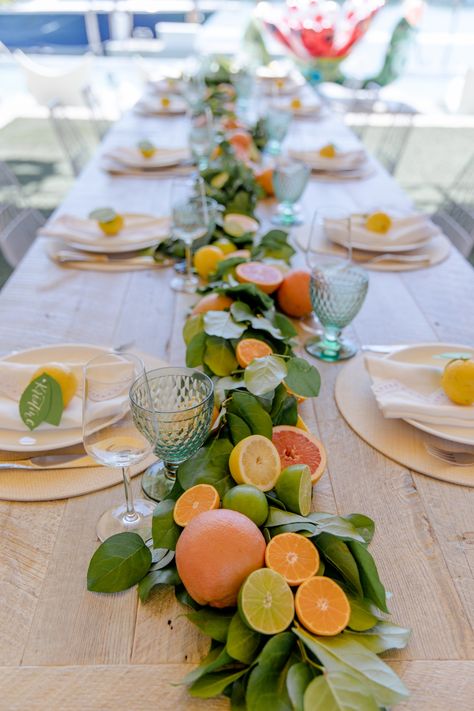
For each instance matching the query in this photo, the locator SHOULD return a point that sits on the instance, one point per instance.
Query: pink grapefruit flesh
(295, 446)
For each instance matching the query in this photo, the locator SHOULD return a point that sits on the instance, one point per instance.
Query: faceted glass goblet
(290, 178)
(172, 408)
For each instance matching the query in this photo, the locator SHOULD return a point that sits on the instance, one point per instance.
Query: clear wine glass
(172, 407)
(290, 178)
(193, 215)
(112, 439)
(338, 286)
(201, 135)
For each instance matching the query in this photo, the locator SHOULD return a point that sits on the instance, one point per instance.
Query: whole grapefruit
(293, 296)
(215, 553)
(295, 446)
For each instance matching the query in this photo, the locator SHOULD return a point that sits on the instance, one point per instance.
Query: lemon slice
(255, 460)
(379, 222)
(266, 602)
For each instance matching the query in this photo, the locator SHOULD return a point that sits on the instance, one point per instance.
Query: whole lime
(248, 500)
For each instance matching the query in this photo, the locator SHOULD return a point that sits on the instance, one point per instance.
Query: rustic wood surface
(64, 648)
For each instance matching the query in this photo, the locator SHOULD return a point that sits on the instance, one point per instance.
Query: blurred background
(406, 86)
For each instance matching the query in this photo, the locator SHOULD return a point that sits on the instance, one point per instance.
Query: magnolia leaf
(160, 557)
(237, 697)
(298, 677)
(276, 517)
(338, 691)
(219, 356)
(362, 617)
(342, 654)
(215, 623)
(221, 323)
(251, 294)
(166, 576)
(210, 465)
(284, 410)
(195, 350)
(185, 598)
(364, 525)
(118, 563)
(247, 407)
(385, 635)
(238, 428)
(164, 530)
(213, 684)
(242, 312)
(373, 588)
(335, 525)
(286, 327)
(266, 688)
(192, 326)
(223, 385)
(226, 265)
(337, 553)
(303, 378)
(242, 642)
(216, 659)
(264, 374)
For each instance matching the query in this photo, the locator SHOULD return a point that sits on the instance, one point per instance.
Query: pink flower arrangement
(312, 29)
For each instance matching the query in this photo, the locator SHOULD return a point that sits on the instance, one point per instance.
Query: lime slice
(266, 602)
(295, 489)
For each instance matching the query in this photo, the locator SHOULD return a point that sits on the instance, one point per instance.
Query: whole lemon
(458, 381)
(206, 260)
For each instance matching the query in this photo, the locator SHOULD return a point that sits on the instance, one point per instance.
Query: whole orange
(265, 180)
(215, 553)
(293, 296)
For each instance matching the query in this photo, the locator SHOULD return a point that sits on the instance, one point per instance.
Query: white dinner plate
(131, 157)
(54, 438)
(125, 241)
(423, 355)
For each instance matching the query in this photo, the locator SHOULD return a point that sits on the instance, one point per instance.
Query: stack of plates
(125, 160)
(347, 164)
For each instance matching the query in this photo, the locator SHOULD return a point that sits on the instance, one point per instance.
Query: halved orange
(267, 277)
(322, 606)
(293, 556)
(250, 348)
(199, 498)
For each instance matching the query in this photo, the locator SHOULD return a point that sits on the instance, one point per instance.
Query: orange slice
(199, 498)
(322, 606)
(265, 276)
(250, 348)
(293, 556)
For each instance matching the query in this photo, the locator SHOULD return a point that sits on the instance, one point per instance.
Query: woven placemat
(394, 438)
(52, 484)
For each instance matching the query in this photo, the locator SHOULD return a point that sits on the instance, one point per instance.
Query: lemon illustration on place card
(296, 104)
(64, 376)
(165, 102)
(328, 151)
(109, 221)
(147, 149)
(379, 222)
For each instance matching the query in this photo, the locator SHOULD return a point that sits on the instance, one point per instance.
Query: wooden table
(65, 648)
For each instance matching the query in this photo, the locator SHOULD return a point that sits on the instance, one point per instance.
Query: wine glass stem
(331, 338)
(188, 260)
(171, 470)
(131, 514)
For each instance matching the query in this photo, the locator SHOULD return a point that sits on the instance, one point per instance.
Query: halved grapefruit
(265, 276)
(212, 302)
(295, 446)
(237, 225)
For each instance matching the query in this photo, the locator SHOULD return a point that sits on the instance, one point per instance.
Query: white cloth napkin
(409, 229)
(343, 160)
(414, 392)
(133, 158)
(78, 230)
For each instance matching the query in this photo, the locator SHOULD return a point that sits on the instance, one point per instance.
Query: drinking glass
(111, 438)
(201, 136)
(193, 86)
(172, 407)
(193, 215)
(338, 286)
(276, 122)
(290, 178)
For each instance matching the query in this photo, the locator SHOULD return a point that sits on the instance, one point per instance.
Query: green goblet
(172, 408)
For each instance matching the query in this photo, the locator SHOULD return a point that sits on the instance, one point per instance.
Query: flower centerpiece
(319, 34)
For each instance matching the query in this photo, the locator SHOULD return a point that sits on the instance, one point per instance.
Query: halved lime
(266, 602)
(295, 489)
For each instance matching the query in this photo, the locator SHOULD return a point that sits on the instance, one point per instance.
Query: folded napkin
(133, 158)
(78, 230)
(14, 378)
(343, 160)
(409, 229)
(408, 391)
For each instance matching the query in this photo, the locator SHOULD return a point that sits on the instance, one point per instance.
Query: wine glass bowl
(172, 407)
(290, 178)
